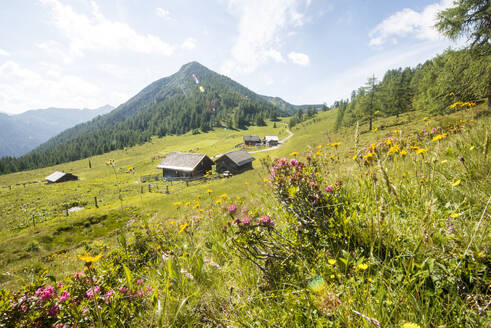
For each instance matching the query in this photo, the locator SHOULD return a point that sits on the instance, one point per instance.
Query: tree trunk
(370, 129)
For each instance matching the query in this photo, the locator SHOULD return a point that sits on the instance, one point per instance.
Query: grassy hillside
(355, 228)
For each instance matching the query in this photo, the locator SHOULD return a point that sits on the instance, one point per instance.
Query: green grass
(393, 255)
(44, 205)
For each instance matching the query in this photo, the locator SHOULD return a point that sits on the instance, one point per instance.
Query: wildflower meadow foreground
(388, 234)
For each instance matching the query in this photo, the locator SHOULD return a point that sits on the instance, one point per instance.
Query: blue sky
(81, 53)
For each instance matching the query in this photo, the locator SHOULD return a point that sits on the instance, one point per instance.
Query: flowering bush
(88, 298)
(315, 205)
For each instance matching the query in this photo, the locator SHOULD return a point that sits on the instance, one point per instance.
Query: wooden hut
(58, 176)
(271, 140)
(252, 140)
(234, 162)
(185, 166)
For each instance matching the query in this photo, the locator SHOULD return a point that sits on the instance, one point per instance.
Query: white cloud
(409, 22)
(275, 55)
(4, 53)
(299, 58)
(259, 32)
(56, 50)
(95, 32)
(164, 13)
(23, 89)
(189, 44)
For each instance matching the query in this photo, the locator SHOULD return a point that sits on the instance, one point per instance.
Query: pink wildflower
(64, 296)
(293, 162)
(93, 291)
(47, 293)
(60, 284)
(123, 290)
(266, 221)
(329, 189)
(53, 311)
(108, 296)
(139, 281)
(232, 209)
(245, 221)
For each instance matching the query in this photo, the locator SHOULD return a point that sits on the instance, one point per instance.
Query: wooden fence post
(95, 202)
(149, 187)
(167, 189)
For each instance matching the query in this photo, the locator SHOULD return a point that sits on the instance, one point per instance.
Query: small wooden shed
(185, 166)
(252, 140)
(271, 140)
(234, 162)
(58, 176)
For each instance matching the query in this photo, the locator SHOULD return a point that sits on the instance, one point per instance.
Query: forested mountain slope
(195, 98)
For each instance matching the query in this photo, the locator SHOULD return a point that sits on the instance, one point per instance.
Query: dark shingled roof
(55, 176)
(239, 157)
(181, 161)
(252, 139)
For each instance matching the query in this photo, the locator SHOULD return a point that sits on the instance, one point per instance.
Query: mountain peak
(192, 67)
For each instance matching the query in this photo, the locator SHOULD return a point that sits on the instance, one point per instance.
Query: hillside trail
(281, 142)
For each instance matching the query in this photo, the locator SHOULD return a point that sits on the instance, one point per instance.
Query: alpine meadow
(198, 202)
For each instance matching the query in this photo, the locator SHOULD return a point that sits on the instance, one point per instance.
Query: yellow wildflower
(196, 204)
(265, 180)
(246, 183)
(218, 201)
(369, 155)
(187, 204)
(335, 144)
(397, 131)
(209, 191)
(455, 104)
(318, 153)
(438, 137)
(410, 325)
(331, 261)
(354, 157)
(394, 149)
(421, 151)
(376, 112)
(425, 118)
(224, 196)
(362, 266)
(319, 147)
(183, 227)
(177, 204)
(89, 259)
(454, 215)
(403, 153)
(374, 130)
(472, 147)
(456, 183)
(295, 153)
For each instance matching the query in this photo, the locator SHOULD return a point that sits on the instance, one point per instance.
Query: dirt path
(281, 142)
